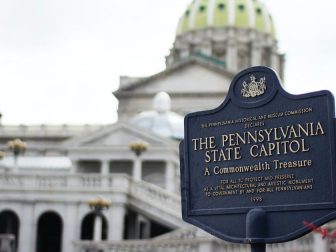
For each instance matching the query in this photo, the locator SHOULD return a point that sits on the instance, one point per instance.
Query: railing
(191, 239)
(147, 194)
(199, 244)
(303, 244)
(61, 130)
(69, 182)
(187, 233)
(139, 246)
(156, 197)
(184, 240)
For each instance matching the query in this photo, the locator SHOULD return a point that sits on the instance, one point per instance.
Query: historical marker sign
(255, 168)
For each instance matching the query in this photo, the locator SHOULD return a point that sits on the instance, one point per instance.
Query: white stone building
(44, 193)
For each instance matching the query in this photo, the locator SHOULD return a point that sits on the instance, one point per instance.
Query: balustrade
(186, 240)
(138, 246)
(71, 181)
(153, 194)
(120, 183)
(180, 234)
(194, 244)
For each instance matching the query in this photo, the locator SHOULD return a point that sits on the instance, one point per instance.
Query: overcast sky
(61, 60)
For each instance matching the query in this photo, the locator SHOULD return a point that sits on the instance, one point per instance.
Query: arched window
(221, 6)
(49, 233)
(202, 8)
(87, 227)
(10, 224)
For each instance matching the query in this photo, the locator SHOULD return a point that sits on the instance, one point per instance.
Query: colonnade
(169, 176)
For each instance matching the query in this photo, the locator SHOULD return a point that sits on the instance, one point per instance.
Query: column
(27, 229)
(70, 226)
(232, 56)
(116, 218)
(275, 61)
(137, 169)
(105, 170)
(74, 166)
(15, 164)
(256, 55)
(142, 227)
(320, 244)
(170, 176)
(105, 167)
(97, 228)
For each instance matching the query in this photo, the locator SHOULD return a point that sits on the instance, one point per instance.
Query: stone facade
(102, 163)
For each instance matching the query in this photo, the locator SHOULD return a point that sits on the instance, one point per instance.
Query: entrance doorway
(49, 233)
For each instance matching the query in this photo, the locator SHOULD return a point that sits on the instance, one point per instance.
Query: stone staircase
(156, 203)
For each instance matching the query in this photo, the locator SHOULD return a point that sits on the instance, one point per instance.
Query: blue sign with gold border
(263, 158)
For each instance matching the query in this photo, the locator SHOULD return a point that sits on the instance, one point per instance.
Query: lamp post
(138, 147)
(98, 205)
(17, 147)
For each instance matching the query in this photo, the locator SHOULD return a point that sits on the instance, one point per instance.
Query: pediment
(189, 80)
(194, 76)
(118, 135)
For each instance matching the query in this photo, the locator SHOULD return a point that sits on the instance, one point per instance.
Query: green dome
(249, 14)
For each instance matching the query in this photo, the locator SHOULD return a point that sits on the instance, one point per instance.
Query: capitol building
(90, 188)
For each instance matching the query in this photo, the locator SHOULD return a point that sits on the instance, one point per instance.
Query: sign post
(257, 167)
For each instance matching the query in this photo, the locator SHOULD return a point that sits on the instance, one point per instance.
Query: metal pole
(258, 247)
(256, 229)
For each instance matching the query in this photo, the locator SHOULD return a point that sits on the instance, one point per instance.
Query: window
(259, 11)
(241, 7)
(221, 6)
(202, 8)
